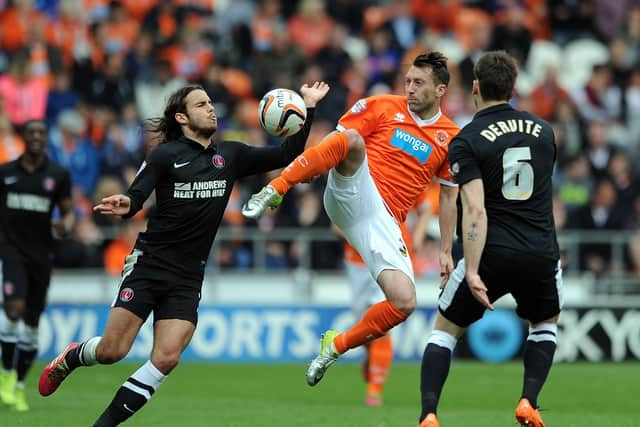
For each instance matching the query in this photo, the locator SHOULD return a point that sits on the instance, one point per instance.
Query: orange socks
(380, 358)
(377, 320)
(313, 161)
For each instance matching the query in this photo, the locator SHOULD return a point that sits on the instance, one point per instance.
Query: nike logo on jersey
(128, 409)
(179, 165)
(10, 180)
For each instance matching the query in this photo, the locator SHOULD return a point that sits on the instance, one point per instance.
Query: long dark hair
(166, 127)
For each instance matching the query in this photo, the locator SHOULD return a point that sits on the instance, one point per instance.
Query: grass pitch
(236, 395)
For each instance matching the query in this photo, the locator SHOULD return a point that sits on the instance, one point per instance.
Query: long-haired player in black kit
(192, 177)
(30, 188)
(503, 162)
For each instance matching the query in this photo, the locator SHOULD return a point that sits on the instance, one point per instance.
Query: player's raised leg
(344, 150)
(436, 361)
(122, 328)
(170, 338)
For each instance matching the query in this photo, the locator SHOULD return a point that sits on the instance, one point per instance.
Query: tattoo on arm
(472, 234)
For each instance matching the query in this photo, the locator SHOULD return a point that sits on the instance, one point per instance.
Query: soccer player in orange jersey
(384, 153)
(365, 292)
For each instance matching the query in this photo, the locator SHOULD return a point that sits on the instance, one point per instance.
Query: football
(282, 112)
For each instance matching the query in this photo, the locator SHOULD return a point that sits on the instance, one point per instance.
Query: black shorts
(143, 290)
(534, 282)
(24, 278)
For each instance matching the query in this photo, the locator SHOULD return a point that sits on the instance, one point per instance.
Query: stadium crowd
(96, 69)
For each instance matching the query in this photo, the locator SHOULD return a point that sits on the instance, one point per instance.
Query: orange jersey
(404, 152)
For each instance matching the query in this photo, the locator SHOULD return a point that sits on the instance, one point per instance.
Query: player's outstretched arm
(474, 235)
(118, 204)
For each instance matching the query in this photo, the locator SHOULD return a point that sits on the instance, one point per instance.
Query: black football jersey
(27, 201)
(193, 185)
(513, 152)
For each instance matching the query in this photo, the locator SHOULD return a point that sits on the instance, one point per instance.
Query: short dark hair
(438, 64)
(496, 73)
(30, 122)
(167, 126)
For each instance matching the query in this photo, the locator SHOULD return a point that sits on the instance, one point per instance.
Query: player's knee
(406, 304)
(14, 309)
(165, 361)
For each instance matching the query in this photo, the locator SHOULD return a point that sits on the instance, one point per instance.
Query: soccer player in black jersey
(503, 162)
(193, 177)
(30, 188)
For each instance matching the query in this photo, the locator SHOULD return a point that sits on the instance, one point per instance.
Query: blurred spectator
(479, 42)
(403, 28)
(61, 97)
(575, 183)
(24, 97)
(74, 152)
(547, 95)
(70, 32)
(631, 33)
(333, 58)
(513, 36)
(383, 59)
(266, 23)
(151, 94)
(15, 23)
(120, 30)
(45, 59)
(598, 148)
(140, 61)
(599, 99)
(609, 16)
(602, 213)
(190, 57)
(439, 16)
(566, 120)
(622, 176)
(110, 86)
(310, 27)
(570, 19)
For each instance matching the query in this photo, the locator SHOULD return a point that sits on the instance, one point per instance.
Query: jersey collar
(42, 166)
(196, 144)
(493, 109)
(425, 122)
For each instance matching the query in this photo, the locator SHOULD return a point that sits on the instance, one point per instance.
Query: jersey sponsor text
(199, 189)
(28, 202)
(411, 145)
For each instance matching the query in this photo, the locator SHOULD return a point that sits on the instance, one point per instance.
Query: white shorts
(364, 290)
(354, 204)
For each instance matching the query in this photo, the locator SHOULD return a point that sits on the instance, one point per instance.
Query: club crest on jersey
(411, 145)
(126, 295)
(441, 137)
(48, 183)
(218, 161)
(455, 168)
(359, 106)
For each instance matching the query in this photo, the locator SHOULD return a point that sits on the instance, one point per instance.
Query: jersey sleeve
(464, 164)
(150, 172)
(444, 174)
(363, 116)
(254, 160)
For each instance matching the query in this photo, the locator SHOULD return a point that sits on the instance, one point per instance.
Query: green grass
(235, 395)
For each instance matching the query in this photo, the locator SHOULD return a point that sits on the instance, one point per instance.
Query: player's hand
(118, 204)
(446, 267)
(479, 290)
(314, 93)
